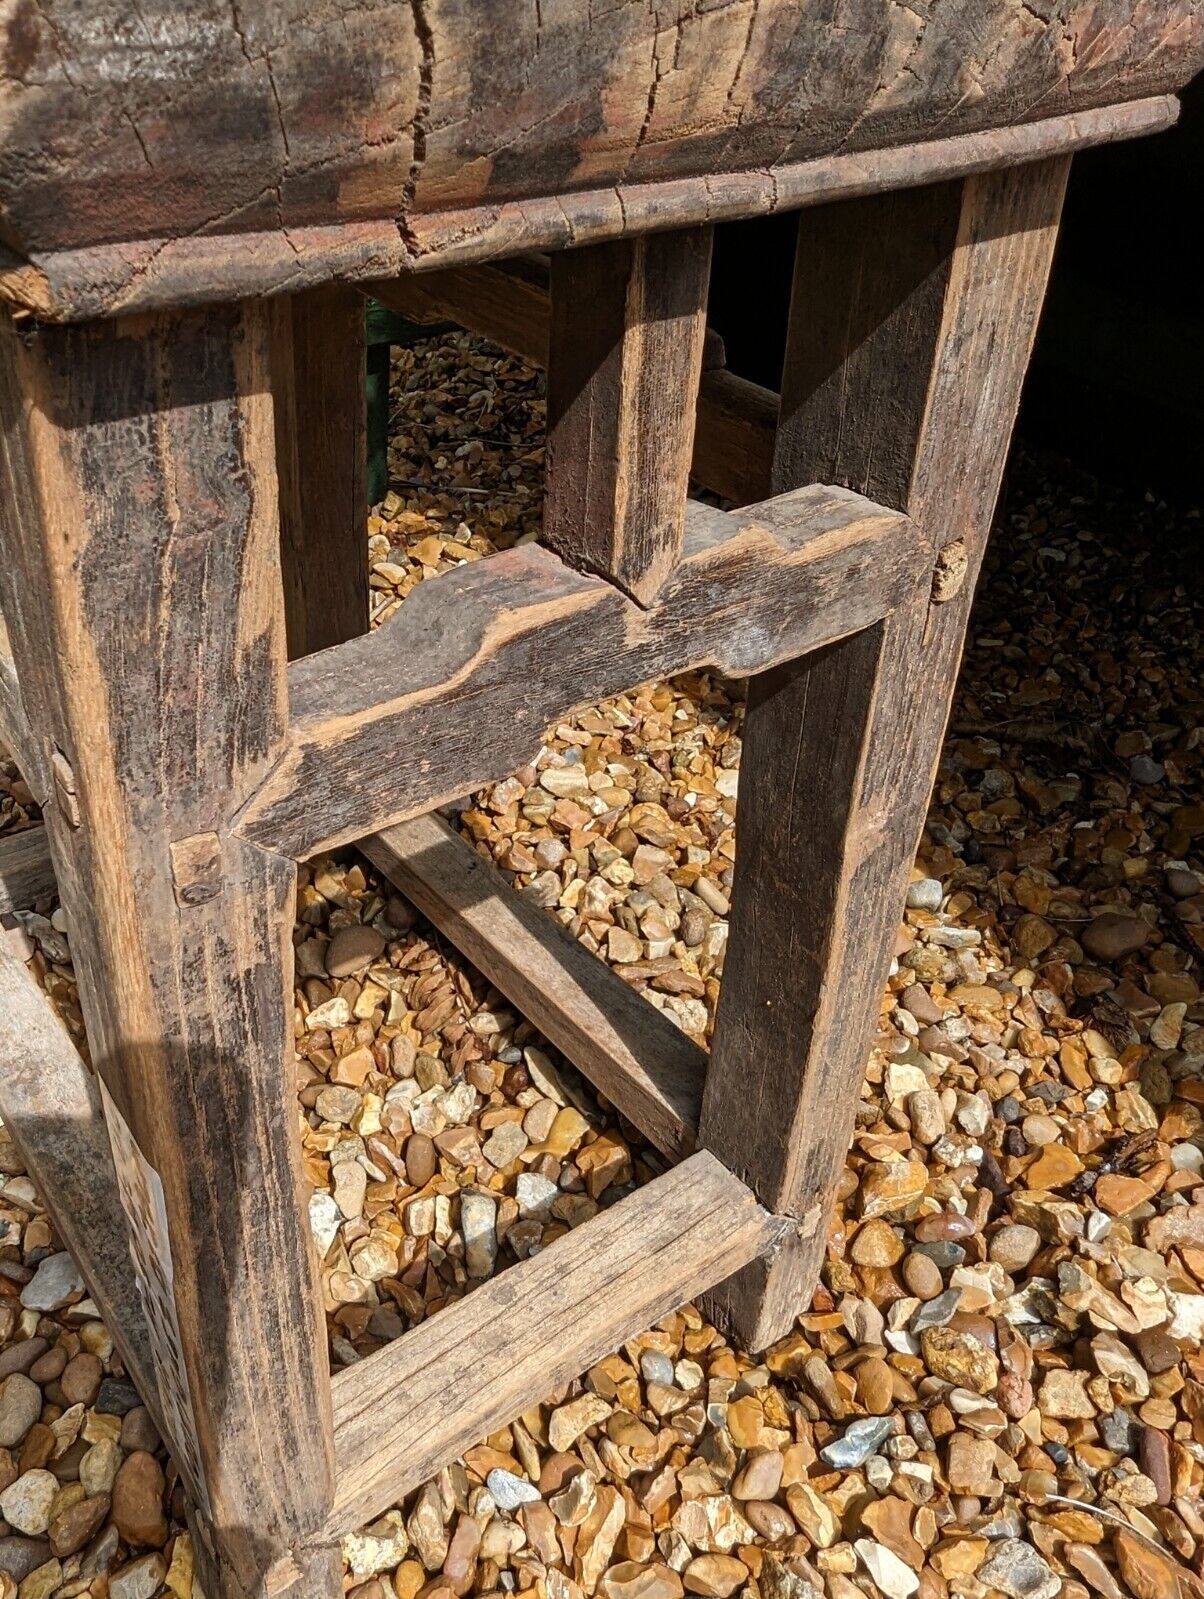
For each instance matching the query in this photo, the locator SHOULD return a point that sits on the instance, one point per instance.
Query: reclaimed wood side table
(188, 190)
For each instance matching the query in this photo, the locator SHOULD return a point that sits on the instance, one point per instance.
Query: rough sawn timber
(143, 568)
(50, 1103)
(179, 151)
(641, 1061)
(628, 322)
(407, 1410)
(902, 378)
(508, 303)
(461, 682)
(25, 870)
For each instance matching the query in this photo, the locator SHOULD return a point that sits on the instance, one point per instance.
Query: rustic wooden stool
(174, 439)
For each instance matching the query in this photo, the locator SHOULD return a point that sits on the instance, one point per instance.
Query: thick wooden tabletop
(180, 150)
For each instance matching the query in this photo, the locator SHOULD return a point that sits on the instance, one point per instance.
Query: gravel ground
(999, 1386)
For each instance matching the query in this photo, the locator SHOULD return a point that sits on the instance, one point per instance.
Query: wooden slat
(624, 362)
(16, 734)
(645, 1065)
(903, 374)
(141, 504)
(26, 873)
(509, 303)
(50, 1103)
(406, 1411)
(318, 376)
(464, 679)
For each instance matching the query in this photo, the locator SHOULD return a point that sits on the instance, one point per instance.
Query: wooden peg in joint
(949, 573)
(63, 777)
(196, 868)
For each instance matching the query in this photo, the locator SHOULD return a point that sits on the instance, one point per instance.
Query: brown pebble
(81, 1377)
(422, 1160)
(72, 1528)
(138, 1501)
(922, 1275)
(875, 1386)
(1156, 1462)
(946, 1226)
(46, 1368)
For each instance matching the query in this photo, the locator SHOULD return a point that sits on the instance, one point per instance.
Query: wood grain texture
(841, 748)
(460, 684)
(318, 375)
(276, 144)
(140, 505)
(50, 1103)
(645, 1065)
(406, 1411)
(26, 872)
(16, 735)
(624, 362)
(509, 303)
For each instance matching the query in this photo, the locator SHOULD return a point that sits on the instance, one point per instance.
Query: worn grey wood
(26, 873)
(642, 1062)
(406, 1411)
(624, 363)
(140, 515)
(840, 748)
(318, 376)
(476, 665)
(50, 1103)
(202, 150)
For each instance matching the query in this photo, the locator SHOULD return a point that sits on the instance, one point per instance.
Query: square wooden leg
(318, 384)
(912, 321)
(140, 520)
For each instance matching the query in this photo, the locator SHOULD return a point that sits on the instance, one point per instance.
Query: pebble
(895, 1579)
(26, 1503)
(141, 1579)
(478, 1217)
(922, 1275)
(56, 1282)
(1017, 1569)
(858, 1442)
(20, 1407)
(138, 1501)
(714, 1575)
(352, 949)
(1115, 934)
(510, 1491)
(72, 1528)
(1014, 1246)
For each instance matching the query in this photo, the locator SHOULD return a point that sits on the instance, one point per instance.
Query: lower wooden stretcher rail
(644, 1064)
(407, 1410)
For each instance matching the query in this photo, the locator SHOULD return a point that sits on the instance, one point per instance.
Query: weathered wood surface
(508, 302)
(406, 1411)
(642, 1062)
(460, 684)
(140, 524)
(163, 151)
(50, 1103)
(318, 376)
(903, 375)
(26, 873)
(624, 362)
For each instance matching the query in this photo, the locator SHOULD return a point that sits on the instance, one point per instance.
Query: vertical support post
(912, 320)
(624, 364)
(318, 377)
(141, 530)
